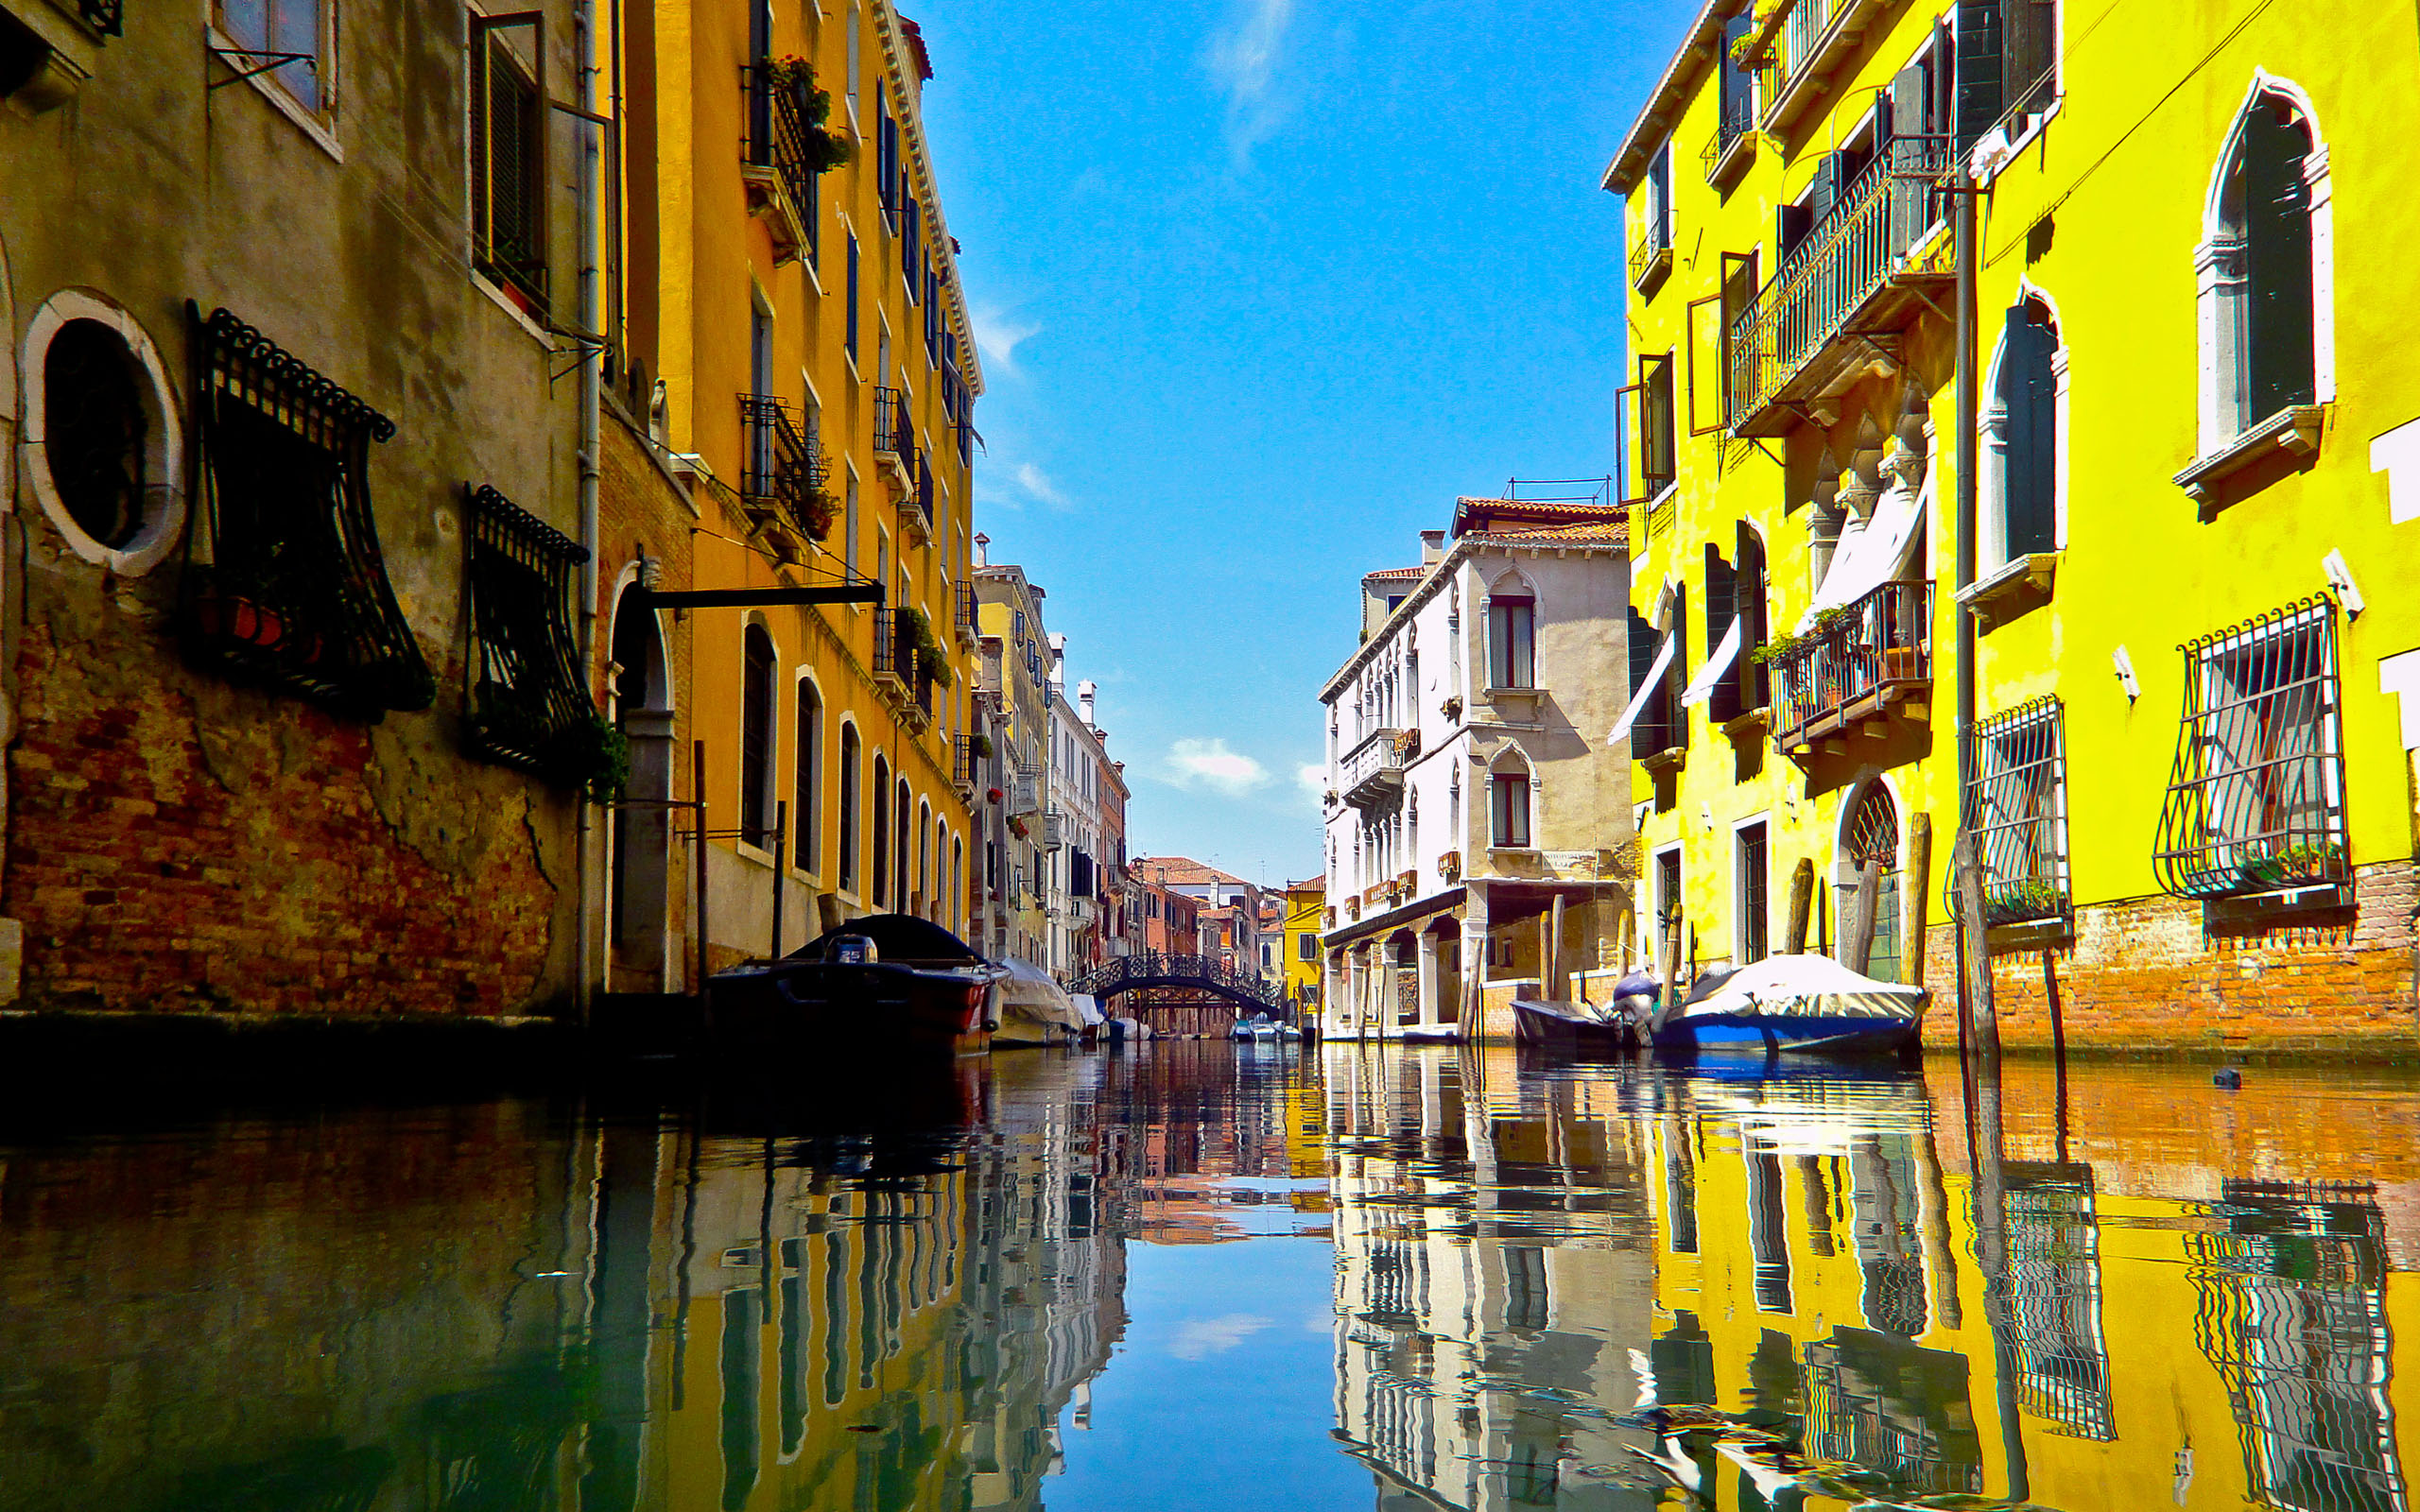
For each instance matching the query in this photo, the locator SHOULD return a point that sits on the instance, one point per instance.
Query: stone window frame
(1991, 454)
(164, 450)
(1498, 767)
(2221, 283)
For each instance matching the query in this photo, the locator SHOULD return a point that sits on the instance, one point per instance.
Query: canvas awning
(1877, 556)
(1638, 700)
(1726, 651)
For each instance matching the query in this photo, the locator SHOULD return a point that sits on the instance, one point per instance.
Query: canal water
(1191, 1275)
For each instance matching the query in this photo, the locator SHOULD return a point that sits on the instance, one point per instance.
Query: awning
(1725, 652)
(1646, 690)
(1878, 553)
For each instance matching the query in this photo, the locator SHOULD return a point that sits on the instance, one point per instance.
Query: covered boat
(1587, 1028)
(883, 983)
(1794, 1002)
(1033, 1009)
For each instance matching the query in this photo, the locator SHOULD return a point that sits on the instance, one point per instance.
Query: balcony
(781, 473)
(894, 439)
(773, 163)
(1054, 830)
(1843, 295)
(894, 660)
(916, 521)
(965, 765)
(1848, 673)
(963, 622)
(1024, 793)
(1653, 257)
(1800, 47)
(1734, 141)
(1373, 769)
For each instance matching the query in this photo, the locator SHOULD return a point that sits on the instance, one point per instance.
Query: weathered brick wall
(181, 844)
(2148, 973)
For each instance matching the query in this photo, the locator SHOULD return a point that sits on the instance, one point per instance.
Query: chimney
(982, 558)
(1432, 547)
(1085, 691)
(1058, 661)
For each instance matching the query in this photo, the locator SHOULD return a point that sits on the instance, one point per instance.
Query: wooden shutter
(1826, 189)
(1979, 82)
(1656, 439)
(1755, 617)
(1721, 602)
(508, 126)
(1642, 659)
(1707, 344)
(1627, 407)
(2028, 393)
(2276, 215)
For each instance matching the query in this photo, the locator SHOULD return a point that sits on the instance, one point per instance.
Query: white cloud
(1037, 483)
(1311, 777)
(1210, 764)
(997, 338)
(1215, 1336)
(1244, 60)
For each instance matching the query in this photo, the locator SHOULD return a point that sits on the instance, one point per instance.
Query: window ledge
(2293, 431)
(1670, 759)
(287, 105)
(2297, 899)
(2009, 589)
(1528, 696)
(521, 317)
(2031, 934)
(1748, 726)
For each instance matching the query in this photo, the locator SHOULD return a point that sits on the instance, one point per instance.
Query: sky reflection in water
(1187, 1275)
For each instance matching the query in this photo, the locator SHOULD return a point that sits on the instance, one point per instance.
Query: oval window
(92, 394)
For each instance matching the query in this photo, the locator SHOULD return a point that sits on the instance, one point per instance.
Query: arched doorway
(639, 899)
(1872, 839)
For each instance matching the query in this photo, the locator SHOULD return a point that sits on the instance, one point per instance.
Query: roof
(1396, 574)
(1701, 46)
(1486, 515)
(1181, 870)
(1594, 531)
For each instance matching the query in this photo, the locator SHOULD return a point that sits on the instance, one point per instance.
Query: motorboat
(1258, 1029)
(1793, 1004)
(1581, 1027)
(1032, 1008)
(885, 982)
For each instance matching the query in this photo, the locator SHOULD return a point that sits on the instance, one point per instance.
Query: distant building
(1304, 904)
(1229, 904)
(1470, 786)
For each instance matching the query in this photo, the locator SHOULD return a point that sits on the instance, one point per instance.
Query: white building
(1084, 832)
(1470, 786)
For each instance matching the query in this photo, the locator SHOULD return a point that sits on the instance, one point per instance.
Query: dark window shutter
(1828, 188)
(1721, 600)
(2276, 215)
(1979, 68)
(1790, 225)
(2029, 394)
(1754, 623)
(1645, 735)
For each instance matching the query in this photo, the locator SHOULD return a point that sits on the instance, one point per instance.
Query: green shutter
(2028, 393)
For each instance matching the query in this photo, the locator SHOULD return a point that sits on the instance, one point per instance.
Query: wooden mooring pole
(1975, 992)
(1920, 868)
(698, 793)
(1802, 904)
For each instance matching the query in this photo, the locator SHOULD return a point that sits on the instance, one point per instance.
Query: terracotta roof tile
(1394, 575)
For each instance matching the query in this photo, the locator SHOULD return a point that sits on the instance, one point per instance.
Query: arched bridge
(1129, 973)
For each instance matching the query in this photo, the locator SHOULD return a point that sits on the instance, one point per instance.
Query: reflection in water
(1602, 1288)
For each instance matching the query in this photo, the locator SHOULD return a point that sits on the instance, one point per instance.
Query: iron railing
(781, 467)
(527, 694)
(2256, 800)
(2016, 803)
(894, 429)
(1844, 259)
(1797, 45)
(1125, 973)
(1883, 640)
(1736, 118)
(1376, 764)
(963, 760)
(1654, 241)
(964, 619)
(775, 138)
(887, 660)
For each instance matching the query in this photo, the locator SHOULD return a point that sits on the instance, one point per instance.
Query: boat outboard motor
(852, 949)
(1635, 998)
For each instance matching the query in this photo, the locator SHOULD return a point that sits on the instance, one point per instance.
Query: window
(1746, 685)
(2021, 437)
(850, 340)
(1509, 809)
(848, 808)
(295, 27)
(2016, 801)
(1308, 948)
(509, 158)
(899, 842)
(527, 695)
(806, 798)
(1874, 842)
(1668, 895)
(880, 796)
(1649, 408)
(1512, 640)
(2265, 274)
(107, 440)
(2256, 798)
(1755, 923)
(756, 736)
(283, 582)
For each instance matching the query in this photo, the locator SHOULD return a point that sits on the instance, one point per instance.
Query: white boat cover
(1033, 1004)
(1878, 554)
(1809, 986)
(1726, 651)
(1638, 700)
(1088, 1010)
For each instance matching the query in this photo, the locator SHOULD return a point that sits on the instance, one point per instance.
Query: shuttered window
(756, 737)
(1749, 676)
(508, 160)
(852, 317)
(848, 800)
(1509, 810)
(806, 804)
(2028, 393)
(1651, 731)
(2277, 261)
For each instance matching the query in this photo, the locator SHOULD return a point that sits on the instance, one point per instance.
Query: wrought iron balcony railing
(1876, 650)
(1829, 286)
(775, 142)
(963, 618)
(894, 429)
(1732, 127)
(1654, 252)
(780, 468)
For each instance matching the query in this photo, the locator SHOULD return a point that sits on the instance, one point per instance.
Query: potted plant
(2019, 902)
(1450, 865)
(825, 149)
(589, 754)
(980, 745)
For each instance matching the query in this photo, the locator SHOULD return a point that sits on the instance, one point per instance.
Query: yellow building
(1305, 904)
(796, 381)
(2181, 754)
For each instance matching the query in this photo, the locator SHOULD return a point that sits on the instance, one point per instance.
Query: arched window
(923, 894)
(756, 736)
(1507, 806)
(2265, 268)
(2021, 436)
(956, 884)
(880, 893)
(1512, 640)
(848, 807)
(1873, 840)
(806, 804)
(899, 858)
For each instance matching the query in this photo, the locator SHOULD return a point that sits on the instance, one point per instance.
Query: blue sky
(1261, 286)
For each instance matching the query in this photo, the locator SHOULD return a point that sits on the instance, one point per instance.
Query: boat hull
(1845, 1034)
(886, 1008)
(1555, 1026)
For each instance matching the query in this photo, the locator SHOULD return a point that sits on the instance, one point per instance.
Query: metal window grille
(2054, 1293)
(966, 607)
(1755, 929)
(2256, 801)
(1890, 1407)
(894, 429)
(2016, 803)
(782, 467)
(526, 694)
(776, 137)
(284, 583)
(507, 172)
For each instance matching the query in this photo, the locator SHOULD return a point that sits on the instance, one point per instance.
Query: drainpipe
(1964, 197)
(591, 399)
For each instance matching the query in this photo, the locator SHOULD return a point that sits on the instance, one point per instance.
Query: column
(1474, 959)
(1428, 947)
